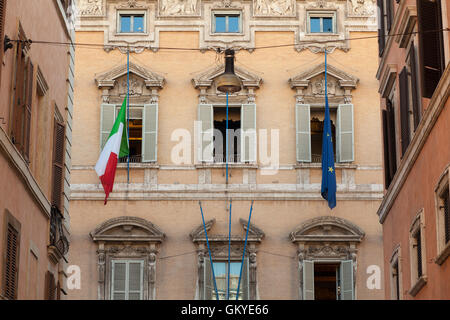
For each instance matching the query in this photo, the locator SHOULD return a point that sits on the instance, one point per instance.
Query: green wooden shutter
(345, 135)
(150, 133)
(135, 280)
(107, 117)
(205, 143)
(347, 291)
(248, 133)
(118, 283)
(303, 132)
(308, 280)
(208, 285)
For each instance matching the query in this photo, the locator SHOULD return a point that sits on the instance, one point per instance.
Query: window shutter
(245, 281)
(308, 280)
(347, 292)
(430, 45)
(404, 109)
(107, 117)
(345, 135)
(118, 283)
(208, 285)
(135, 280)
(303, 132)
(248, 133)
(27, 110)
(205, 144)
(381, 28)
(58, 163)
(387, 177)
(389, 14)
(19, 103)
(392, 140)
(150, 133)
(2, 32)
(414, 86)
(50, 286)
(12, 261)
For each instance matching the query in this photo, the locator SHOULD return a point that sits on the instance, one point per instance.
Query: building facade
(148, 241)
(36, 92)
(414, 77)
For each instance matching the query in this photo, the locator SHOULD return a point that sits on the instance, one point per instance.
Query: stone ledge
(421, 282)
(440, 259)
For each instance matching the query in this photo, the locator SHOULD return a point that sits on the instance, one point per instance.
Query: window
(242, 133)
(309, 127)
(2, 32)
(328, 281)
(320, 22)
(11, 257)
(23, 97)
(227, 22)
(143, 124)
(127, 279)
(443, 217)
(386, 10)
(221, 276)
(389, 139)
(395, 273)
(51, 289)
(131, 23)
(417, 255)
(431, 45)
(59, 137)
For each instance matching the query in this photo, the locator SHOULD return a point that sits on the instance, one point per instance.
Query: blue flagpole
(226, 145)
(229, 253)
(128, 113)
(243, 253)
(209, 252)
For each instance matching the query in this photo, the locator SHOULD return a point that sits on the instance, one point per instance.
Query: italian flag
(115, 147)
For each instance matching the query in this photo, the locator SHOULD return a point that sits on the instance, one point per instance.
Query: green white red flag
(115, 147)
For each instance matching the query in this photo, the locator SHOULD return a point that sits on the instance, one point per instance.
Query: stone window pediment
(204, 81)
(144, 84)
(310, 85)
(123, 239)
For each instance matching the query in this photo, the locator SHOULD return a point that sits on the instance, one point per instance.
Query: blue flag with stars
(328, 189)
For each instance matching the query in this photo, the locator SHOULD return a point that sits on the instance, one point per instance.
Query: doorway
(326, 281)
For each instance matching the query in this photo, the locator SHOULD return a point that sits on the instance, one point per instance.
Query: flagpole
(243, 253)
(128, 113)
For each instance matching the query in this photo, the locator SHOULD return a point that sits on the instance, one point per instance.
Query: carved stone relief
(362, 7)
(274, 7)
(90, 7)
(178, 7)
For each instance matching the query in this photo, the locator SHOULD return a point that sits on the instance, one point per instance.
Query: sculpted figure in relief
(178, 7)
(91, 7)
(274, 7)
(363, 7)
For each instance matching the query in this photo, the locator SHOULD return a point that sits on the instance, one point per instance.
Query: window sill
(143, 34)
(140, 165)
(223, 165)
(440, 259)
(310, 165)
(421, 282)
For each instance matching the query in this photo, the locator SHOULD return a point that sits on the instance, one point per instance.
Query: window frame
(443, 248)
(242, 285)
(396, 261)
(418, 226)
(321, 15)
(226, 13)
(131, 13)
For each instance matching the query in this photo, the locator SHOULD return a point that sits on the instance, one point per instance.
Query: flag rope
(209, 252)
(243, 253)
(128, 114)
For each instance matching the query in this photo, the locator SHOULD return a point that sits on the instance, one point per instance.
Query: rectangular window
(417, 254)
(127, 279)
(442, 194)
(322, 22)
(131, 23)
(395, 281)
(227, 23)
(135, 137)
(234, 134)
(2, 32)
(221, 274)
(12, 253)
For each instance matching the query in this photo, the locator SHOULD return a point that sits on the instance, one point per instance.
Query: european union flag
(328, 189)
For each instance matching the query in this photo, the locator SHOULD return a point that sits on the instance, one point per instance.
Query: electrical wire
(220, 50)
